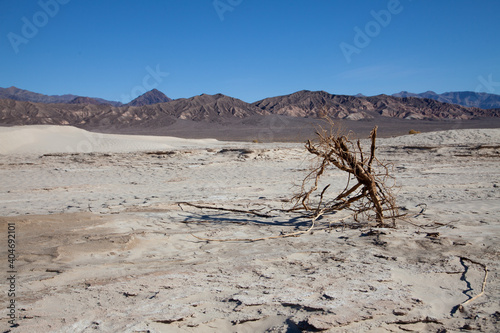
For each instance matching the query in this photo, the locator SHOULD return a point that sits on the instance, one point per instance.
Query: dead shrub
(369, 196)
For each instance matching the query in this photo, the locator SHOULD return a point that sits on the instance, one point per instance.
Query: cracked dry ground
(139, 269)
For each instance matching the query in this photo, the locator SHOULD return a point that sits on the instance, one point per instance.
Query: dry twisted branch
(369, 193)
(253, 212)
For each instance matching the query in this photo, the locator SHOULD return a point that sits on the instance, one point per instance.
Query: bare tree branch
(370, 190)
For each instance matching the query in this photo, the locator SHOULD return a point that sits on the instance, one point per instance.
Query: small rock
(399, 313)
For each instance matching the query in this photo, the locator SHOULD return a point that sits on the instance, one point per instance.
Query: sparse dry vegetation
(366, 194)
(369, 193)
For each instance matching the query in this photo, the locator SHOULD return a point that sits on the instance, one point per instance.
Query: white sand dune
(449, 137)
(42, 139)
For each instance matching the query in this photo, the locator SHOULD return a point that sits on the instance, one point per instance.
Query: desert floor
(103, 245)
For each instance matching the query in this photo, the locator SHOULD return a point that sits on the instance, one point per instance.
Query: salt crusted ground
(103, 246)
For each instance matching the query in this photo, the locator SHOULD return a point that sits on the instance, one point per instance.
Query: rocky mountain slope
(319, 103)
(464, 98)
(210, 108)
(29, 96)
(89, 113)
(85, 100)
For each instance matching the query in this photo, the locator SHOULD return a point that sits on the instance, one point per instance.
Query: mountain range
(211, 108)
(465, 98)
(151, 97)
(153, 109)
(319, 103)
(29, 96)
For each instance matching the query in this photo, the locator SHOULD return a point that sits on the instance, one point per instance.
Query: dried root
(368, 195)
(253, 212)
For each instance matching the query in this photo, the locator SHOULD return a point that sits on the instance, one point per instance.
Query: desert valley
(114, 212)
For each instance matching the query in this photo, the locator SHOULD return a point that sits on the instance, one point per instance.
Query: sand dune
(104, 246)
(450, 137)
(42, 139)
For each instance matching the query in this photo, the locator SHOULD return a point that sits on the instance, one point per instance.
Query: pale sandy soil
(103, 246)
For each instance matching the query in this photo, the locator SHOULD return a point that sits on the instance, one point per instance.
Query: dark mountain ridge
(219, 108)
(29, 96)
(85, 100)
(319, 103)
(464, 98)
(210, 108)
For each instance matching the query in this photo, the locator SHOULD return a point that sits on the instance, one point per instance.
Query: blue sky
(248, 49)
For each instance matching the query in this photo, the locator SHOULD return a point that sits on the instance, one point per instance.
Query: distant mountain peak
(12, 89)
(429, 92)
(153, 96)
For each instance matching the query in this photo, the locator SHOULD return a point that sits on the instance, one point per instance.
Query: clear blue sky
(249, 49)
